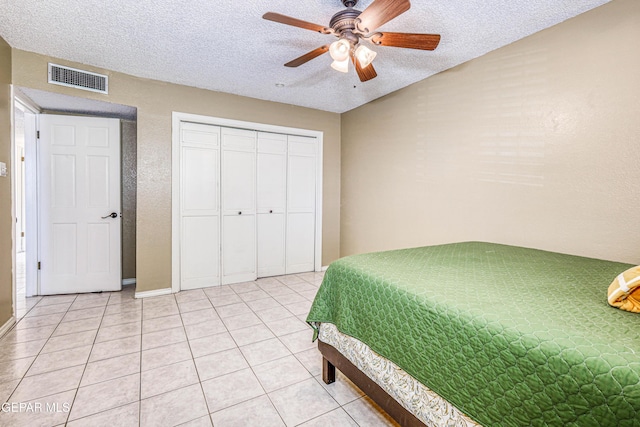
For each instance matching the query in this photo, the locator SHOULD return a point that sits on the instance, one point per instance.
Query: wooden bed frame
(332, 359)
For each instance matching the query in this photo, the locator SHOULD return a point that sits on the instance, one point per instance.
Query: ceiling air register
(79, 79)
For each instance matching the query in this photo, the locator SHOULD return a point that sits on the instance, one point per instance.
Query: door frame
(32, 286)
(176, 119)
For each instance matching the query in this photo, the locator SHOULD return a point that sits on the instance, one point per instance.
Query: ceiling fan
(352, 27)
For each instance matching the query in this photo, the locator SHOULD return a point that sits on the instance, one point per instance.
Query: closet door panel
(199, 206)
(198, 133)
(200, 251)
(239, 248)
(200, 174)
(238, 206)
(272, 182)
(238, 139)
(300, 242)
(301, 204)
(271, 244)
(271, 203)
(302, 184)
(239, 182)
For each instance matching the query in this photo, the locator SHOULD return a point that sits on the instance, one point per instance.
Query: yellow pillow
(624, 292)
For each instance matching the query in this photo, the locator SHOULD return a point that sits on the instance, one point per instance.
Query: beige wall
(535, 144)
(155, 102)
(6, 101)
(129, 197)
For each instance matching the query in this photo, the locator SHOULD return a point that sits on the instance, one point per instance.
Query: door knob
(111, 215)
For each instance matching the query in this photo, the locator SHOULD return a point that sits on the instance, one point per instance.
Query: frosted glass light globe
(339, 50)
(365, 56)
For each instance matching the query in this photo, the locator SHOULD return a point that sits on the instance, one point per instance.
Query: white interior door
(199, 205)
(271, 203)
(79, 204)
(238, 205)
(301, 204)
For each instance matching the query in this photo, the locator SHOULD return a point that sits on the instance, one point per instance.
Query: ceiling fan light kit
(352, 27)
(339, 50)
(342, 66)
(364, 55)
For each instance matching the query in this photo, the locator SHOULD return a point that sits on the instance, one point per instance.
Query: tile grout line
(75, 395)
(291, 354)
(86, 365)
(40, 351)
(242, 355)
(298, 382)
(193, 359)
(254, 374)
(140, 370)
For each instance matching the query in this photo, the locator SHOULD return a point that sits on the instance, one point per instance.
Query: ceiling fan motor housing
(343, 23)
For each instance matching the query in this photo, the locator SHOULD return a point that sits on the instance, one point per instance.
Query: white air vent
(80, 79)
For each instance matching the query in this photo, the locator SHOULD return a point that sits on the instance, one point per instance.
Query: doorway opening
(28, 106)
(24, 194)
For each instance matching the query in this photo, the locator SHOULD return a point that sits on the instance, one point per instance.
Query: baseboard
(324, 268)
(126, 282)
(154, 293)
(7, 326)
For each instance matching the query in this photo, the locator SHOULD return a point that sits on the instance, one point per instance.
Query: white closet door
(200, 205)
(301, 196)
(239, 205)
(271, 203)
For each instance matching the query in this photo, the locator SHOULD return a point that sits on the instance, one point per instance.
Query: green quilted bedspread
(510, 336)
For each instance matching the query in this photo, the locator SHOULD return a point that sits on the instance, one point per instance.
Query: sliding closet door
(272, 203)
(301, 204)
(238, 205)
(199, 205)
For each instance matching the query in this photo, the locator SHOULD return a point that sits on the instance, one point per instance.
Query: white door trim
(152, 293)
(9, 323)
(32, 286)
(12, 156)
(30, 199)
(178, 117)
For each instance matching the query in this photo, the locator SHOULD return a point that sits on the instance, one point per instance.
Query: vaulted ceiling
(225, 45)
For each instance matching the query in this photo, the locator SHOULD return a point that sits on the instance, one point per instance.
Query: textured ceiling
(225, 45)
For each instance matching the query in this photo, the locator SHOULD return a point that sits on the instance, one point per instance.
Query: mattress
(507, 335)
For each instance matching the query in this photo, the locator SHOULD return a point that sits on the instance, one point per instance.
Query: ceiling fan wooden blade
(408, 40)
(380, 12)
(308, 56)
(366, 73)
(283, 19)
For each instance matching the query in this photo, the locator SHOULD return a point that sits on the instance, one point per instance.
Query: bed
(477, 333)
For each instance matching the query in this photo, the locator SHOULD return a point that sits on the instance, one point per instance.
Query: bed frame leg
(328, 371)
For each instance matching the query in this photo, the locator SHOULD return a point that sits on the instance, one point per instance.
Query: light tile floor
(23, 304)
(238, 355)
